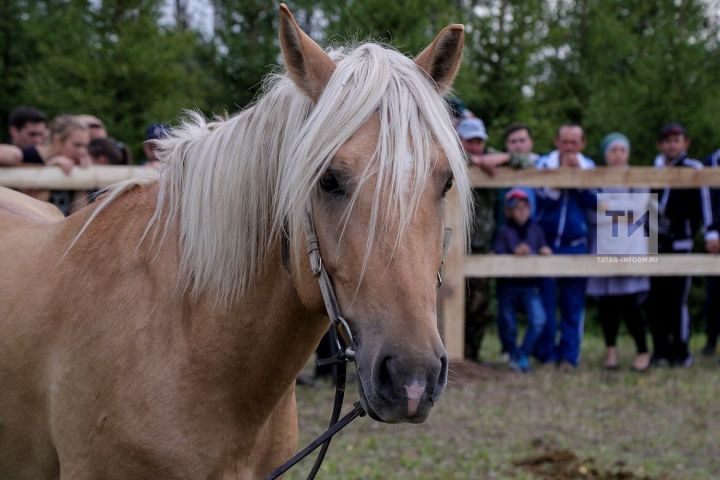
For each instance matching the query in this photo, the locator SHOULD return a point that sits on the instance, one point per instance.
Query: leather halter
(342, 344)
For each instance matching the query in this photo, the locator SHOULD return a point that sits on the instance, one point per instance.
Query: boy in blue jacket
(519, 236)
(562, 214)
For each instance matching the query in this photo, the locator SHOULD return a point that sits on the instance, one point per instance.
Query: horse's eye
(447, 187)
(330, 184)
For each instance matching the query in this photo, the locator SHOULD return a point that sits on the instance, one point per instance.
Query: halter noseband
(342, 342)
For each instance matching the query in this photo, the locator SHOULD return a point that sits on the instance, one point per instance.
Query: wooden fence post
(452, 293)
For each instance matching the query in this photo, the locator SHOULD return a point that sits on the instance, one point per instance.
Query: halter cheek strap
(328, 293)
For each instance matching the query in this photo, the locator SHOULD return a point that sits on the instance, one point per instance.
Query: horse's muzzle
(402, 390)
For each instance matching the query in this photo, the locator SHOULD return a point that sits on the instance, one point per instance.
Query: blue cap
(157, 131)
(472, 128)
(514, 195)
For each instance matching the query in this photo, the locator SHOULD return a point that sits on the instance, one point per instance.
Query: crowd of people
(546, 221)
(67, 141)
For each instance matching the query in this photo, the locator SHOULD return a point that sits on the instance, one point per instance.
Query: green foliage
(627, 65)
(246, 48)
(408, 25)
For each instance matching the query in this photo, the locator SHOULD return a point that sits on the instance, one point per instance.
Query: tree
(245, 41)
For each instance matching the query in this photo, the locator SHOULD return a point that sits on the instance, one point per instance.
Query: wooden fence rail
(52, 178)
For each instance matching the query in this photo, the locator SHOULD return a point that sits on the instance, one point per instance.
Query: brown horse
(159, 333)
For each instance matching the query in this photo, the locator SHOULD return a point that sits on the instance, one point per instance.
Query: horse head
(377, 206)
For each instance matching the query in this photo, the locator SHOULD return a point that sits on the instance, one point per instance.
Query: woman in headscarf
(621, 297)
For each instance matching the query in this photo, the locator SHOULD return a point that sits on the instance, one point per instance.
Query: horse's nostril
(386, 374)
(441, 379)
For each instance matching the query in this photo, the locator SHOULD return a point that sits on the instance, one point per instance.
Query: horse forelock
(235, 184)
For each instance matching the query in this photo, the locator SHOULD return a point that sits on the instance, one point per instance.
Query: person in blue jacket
(562, 214)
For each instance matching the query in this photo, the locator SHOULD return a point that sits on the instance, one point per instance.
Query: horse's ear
(307, 63)
(441, 59)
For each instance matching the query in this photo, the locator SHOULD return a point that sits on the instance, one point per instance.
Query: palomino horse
(159, 333)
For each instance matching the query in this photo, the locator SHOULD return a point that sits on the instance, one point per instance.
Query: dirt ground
(553, 463)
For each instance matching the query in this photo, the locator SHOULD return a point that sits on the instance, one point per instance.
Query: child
(681, 213)
(519, 236)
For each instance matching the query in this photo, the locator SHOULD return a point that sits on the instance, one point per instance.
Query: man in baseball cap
(473, 135)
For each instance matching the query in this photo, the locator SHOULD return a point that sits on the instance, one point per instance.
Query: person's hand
(712, 246)
(522, 249)
(569, 160)
(85, 161)
(490, 161)
(66, 164)
(545, 250)
(484, 164)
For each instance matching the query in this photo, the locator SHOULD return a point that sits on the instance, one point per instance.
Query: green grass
(664, 424)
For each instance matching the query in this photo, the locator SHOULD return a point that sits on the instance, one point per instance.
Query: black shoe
(709, 350)
(660, 362)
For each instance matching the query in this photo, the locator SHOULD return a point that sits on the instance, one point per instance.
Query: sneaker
(641, 363)
(524, 363)
(687, 363)
(566, 367)
(611, 359)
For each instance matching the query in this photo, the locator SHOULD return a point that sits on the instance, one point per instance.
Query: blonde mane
(234, 185)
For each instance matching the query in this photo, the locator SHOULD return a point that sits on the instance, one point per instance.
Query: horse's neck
(257, 346)
(264, 340)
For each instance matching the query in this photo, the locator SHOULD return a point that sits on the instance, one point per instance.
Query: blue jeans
(509, 296)
(569, 294)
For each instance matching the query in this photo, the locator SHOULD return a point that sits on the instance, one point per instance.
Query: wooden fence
(459, 265)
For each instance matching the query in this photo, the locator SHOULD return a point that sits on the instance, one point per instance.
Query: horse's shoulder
(21, 205)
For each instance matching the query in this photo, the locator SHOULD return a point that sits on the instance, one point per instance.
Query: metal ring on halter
(344, 329)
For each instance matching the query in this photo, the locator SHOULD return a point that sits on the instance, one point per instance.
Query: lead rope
(342, 346)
